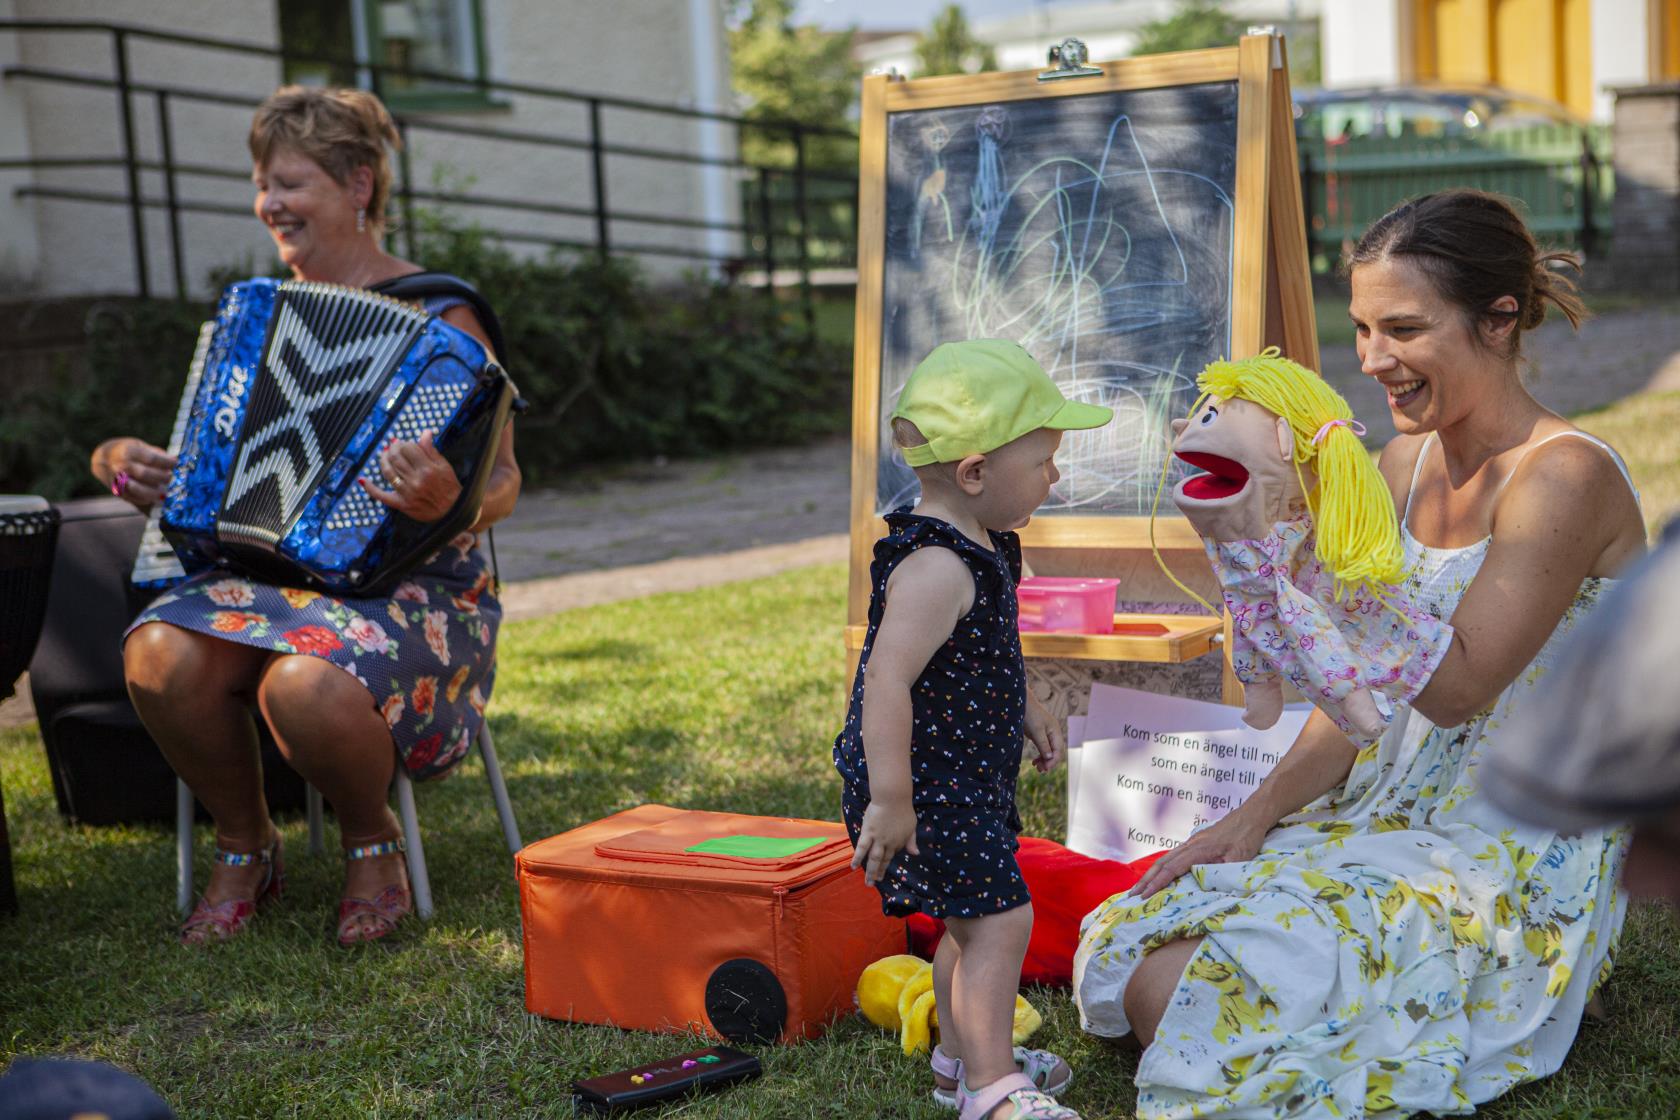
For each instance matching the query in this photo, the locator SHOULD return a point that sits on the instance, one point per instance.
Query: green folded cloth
(757, 847)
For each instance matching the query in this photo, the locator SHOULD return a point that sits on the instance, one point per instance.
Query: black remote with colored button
(714, 1067)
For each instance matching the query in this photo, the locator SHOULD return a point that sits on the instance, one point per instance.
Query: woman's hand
(1232, 839)
(1046, 736)
(133, 469)
(423, 484)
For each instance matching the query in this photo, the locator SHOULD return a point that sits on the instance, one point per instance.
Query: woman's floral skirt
(426, 653)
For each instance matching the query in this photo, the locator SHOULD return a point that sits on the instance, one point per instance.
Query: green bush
(614, 367)
(128, 382)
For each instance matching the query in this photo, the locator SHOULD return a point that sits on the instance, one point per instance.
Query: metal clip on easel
(1067, 60)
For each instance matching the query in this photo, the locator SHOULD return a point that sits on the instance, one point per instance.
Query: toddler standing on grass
(933, 737)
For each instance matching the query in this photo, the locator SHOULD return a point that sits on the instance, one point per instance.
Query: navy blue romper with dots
(968, 713)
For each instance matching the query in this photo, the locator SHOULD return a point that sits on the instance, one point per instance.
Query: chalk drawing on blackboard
(932, 191)
(1097, 233)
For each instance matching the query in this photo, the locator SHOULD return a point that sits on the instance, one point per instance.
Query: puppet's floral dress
(1396, 946)
(426, 652)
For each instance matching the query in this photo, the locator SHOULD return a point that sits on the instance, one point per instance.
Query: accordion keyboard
(156, 564)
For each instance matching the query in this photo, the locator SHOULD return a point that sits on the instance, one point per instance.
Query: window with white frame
(442, 38)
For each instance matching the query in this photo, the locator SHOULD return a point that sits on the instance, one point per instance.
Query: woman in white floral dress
(1366, 935)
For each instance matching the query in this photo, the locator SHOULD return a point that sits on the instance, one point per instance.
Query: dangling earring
(361, 219)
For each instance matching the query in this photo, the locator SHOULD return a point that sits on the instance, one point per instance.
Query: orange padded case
(623, 926)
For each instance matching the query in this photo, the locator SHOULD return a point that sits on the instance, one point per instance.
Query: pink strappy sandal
(1028, 1100)
(361, 920)
(217, 923)
(1046, 1071)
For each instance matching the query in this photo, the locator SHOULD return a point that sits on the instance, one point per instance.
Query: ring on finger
(396, 481)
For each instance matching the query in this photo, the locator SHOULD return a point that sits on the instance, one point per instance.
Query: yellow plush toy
(896, 994)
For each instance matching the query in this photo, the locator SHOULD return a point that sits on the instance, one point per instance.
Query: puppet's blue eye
(1209, 416)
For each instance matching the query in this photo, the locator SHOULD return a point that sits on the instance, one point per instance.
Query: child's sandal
(1029, 1102)
(1046, 1071)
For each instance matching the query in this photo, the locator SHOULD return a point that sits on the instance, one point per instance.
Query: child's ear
(971, 475)
(1286, 440)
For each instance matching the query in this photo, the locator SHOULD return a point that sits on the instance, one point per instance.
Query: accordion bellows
(303, 385)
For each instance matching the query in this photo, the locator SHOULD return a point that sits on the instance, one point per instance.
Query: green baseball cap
(970, 398)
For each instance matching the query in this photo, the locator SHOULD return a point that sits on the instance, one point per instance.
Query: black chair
(28, 530)
(105, 767)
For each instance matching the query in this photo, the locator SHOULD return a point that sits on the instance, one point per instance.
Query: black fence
(795, 217)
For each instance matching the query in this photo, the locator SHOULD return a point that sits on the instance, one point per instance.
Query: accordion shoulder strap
(420, 285)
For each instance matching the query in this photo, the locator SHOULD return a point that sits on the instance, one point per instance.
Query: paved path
(657, 511)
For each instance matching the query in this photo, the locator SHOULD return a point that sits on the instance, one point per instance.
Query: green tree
(1203, 23)
(1196, 24)
(788, 73)
(949, 47)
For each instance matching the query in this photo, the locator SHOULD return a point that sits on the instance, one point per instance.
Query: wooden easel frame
(1271, 293)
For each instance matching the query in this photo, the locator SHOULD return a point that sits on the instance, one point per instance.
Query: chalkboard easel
(1126, 227)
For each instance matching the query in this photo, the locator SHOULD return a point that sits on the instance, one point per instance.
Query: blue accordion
(295, 390)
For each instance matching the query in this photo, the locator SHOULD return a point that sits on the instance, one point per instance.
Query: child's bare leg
(944, 965)
(984, 982)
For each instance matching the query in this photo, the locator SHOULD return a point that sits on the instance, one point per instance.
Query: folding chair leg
(498, 789)
(417, 880)
(312, 802)
(183, 846)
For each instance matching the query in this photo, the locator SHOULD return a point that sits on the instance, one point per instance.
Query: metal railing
(791, 217)
(778, 231)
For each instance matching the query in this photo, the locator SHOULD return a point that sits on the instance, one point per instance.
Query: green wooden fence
(1561, 174)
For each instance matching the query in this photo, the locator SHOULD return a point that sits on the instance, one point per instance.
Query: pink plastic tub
(1083, 606)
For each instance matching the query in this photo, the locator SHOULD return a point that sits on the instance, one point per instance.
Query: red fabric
(1065, 887)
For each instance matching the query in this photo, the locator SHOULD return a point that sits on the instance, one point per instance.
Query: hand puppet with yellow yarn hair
(1302, 533)
(896, 994)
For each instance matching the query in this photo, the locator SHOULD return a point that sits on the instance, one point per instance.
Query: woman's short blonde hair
(340, 129)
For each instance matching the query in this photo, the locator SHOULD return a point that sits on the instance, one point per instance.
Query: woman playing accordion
(338, 679)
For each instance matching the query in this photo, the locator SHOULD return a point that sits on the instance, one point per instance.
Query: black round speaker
(745, 1001)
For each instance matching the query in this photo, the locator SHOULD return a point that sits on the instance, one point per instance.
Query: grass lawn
(725, 698)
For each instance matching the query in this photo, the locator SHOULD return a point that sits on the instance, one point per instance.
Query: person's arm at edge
(502, 490)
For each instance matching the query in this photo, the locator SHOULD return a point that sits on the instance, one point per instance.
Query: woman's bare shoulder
(1580, 467)
(1575, 482)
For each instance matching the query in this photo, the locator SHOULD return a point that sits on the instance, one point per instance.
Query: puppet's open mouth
(1224, 477)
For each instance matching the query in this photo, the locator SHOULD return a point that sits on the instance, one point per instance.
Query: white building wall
(638, 49)
(86, 247)
(1360, 44)
(20, 247)
(1620, 50)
